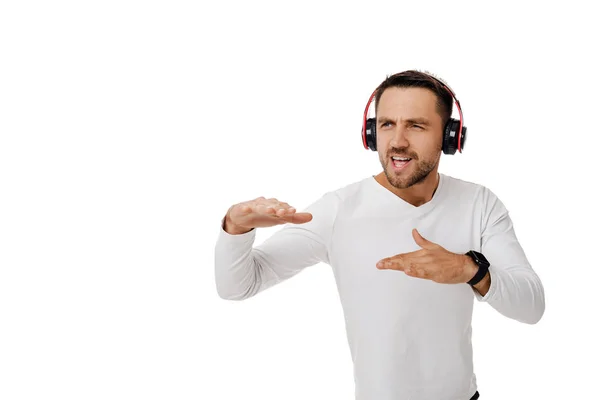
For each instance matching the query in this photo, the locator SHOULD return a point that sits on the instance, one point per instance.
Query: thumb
(299, 218)
(421, 241)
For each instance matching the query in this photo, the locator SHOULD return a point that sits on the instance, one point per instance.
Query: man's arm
(243, 270)
(513, 288)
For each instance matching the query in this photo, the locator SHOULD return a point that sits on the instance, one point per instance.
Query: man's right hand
(261, 213)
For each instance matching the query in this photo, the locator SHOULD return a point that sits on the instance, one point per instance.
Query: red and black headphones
(455, 134)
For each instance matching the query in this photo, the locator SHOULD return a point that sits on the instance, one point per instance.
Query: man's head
(411, 110)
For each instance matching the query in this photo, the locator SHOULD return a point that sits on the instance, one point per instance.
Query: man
(410, 249)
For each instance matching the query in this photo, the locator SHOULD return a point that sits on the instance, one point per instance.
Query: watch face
(479, 258)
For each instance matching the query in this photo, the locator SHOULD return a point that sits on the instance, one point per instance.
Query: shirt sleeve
(243, 269)
(516, 290)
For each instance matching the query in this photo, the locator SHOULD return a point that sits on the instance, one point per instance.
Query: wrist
(233, 229)
(470, 268)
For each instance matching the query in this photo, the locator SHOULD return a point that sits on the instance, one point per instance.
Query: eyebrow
(419, 121)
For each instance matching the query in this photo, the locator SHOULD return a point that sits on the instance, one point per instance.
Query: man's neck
(417, 194)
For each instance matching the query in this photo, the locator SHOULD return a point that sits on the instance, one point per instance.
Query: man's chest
(359, 243)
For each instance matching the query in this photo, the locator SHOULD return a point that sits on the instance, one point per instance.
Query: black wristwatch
(482, 263)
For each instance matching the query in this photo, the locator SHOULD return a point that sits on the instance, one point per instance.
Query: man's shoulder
(464, 184)
(350, 189)
(474, 190)
(344, 193)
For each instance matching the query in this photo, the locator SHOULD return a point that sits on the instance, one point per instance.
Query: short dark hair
(413, 78)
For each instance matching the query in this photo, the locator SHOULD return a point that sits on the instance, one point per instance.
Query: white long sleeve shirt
(410, 338)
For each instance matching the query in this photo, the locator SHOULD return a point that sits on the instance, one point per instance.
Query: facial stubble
(422, 169)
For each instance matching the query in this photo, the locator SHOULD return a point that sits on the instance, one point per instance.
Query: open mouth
(400, 162)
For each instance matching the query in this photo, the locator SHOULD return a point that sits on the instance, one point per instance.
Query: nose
(399, 138)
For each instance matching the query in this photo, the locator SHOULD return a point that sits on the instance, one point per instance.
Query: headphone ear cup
(450, 142)
(463, 138)
(371, 134)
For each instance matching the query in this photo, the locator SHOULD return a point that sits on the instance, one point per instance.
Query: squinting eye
(418, 126)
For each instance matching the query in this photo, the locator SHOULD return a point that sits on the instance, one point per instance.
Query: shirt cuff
(235, 239)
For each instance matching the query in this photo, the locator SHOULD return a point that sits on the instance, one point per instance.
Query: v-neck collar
(410, 207)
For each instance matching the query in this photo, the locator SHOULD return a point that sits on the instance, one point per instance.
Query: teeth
(400, 159)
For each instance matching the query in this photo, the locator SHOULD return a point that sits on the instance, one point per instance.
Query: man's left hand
(432, 262)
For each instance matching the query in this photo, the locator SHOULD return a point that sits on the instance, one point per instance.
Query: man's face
(408, 126)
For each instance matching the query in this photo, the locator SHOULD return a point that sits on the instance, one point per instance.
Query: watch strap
(481, 272)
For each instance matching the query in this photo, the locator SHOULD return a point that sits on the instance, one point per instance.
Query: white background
(128, 128)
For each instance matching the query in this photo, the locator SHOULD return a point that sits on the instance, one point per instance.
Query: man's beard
(422, 170)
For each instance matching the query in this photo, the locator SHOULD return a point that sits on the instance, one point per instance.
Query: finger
(273, 202)
(269, 209)
(278, 209)
(421, 241)
(397, 262)
(284, 210)
(421, 257)
(272, 206)
(418, 272)
(428, 271)
(413, 254)
(405, 257)
(288, 209)
(298, 218)
(264, 209)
